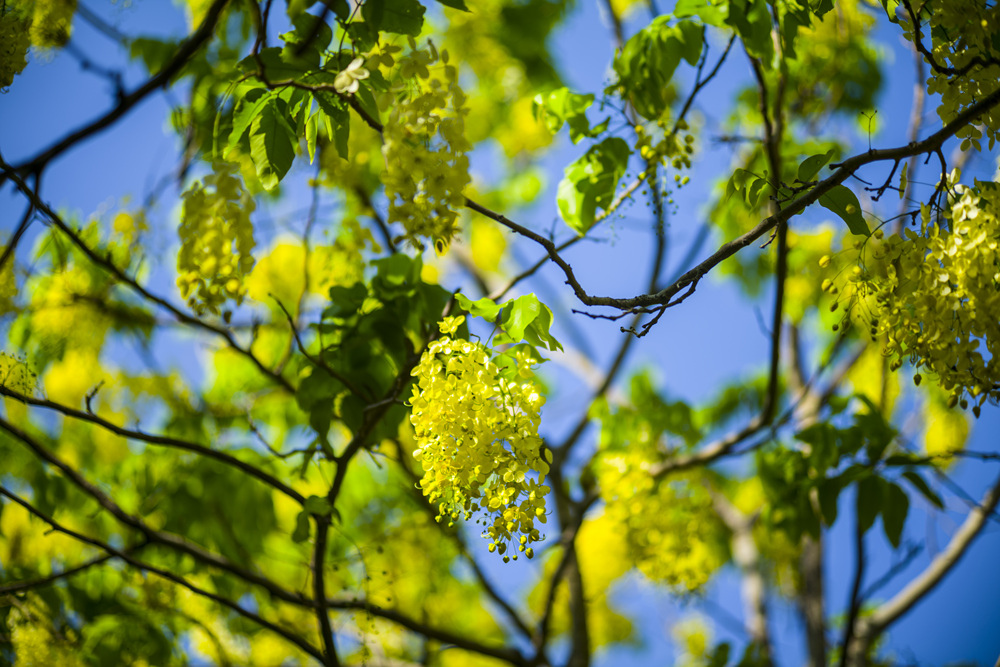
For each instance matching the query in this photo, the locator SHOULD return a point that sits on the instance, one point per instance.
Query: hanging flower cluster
(14, 43)
(216, 240)
(477, 440)
(669, 528)
(424, 144)
(940, 302)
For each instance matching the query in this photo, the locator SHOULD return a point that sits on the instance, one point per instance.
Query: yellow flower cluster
(940, 300)
(960, 34)
(672, 148)
(216, 240)
(424, 145)
(52, 22)
(477, 440)
(672, 533)
(14, 43)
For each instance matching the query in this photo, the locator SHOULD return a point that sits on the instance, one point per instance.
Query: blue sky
(712, 338)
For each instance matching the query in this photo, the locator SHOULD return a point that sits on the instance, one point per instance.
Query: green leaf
(737, 182)
(484, 308)
(336, 119)
(454, 4)
(312, 132)
(320, 419)
(345, 301)
(319, 387)
(154, 53)
(812, 165)
(755, 192)
(749, 185)
(890, 9)
(829, 492)
(876, 433)
(920, 484)
(647, 62)
(895, 507)
(403, 17)
(822, 438)
(902, 180)
(821, 7)
(719, 656)
(272, 143)
(563, 106)
(791, 20)
(711, 13)
(301, 532)
(397, 276)
(537, 332)
(318, 506)
(752, 21)
(869, 501)
(590, 182)
(275, 64)
(845, 204)
(519, 313)
(247, 109)
(306, 26)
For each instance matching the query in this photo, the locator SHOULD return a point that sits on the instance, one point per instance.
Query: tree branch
(165, 574)
(184, 52)
(160, 441)
(154, 536)
(120, 275)
(747, 559)
(843, 171)
(445, 636)
(855, 601)
(22, 586)
(330, 658)
(889, 612)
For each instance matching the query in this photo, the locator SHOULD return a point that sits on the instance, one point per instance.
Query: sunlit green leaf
(842, 201)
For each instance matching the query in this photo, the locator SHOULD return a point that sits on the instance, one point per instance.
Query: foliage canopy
(375, 414)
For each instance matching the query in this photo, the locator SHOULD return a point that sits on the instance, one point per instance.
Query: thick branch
(747, 558)
(855, 601)
(330, 658)
(571, 526)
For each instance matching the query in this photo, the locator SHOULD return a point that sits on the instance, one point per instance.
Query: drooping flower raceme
(14, 43)
(941, 300)
(216, 240)
(424, 144)
(477, 440)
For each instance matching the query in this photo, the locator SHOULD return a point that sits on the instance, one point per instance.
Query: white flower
(348, 78)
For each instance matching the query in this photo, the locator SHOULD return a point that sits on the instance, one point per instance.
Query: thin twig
(109, 266)
(158, 440)
(184, 52)
(154, 536)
